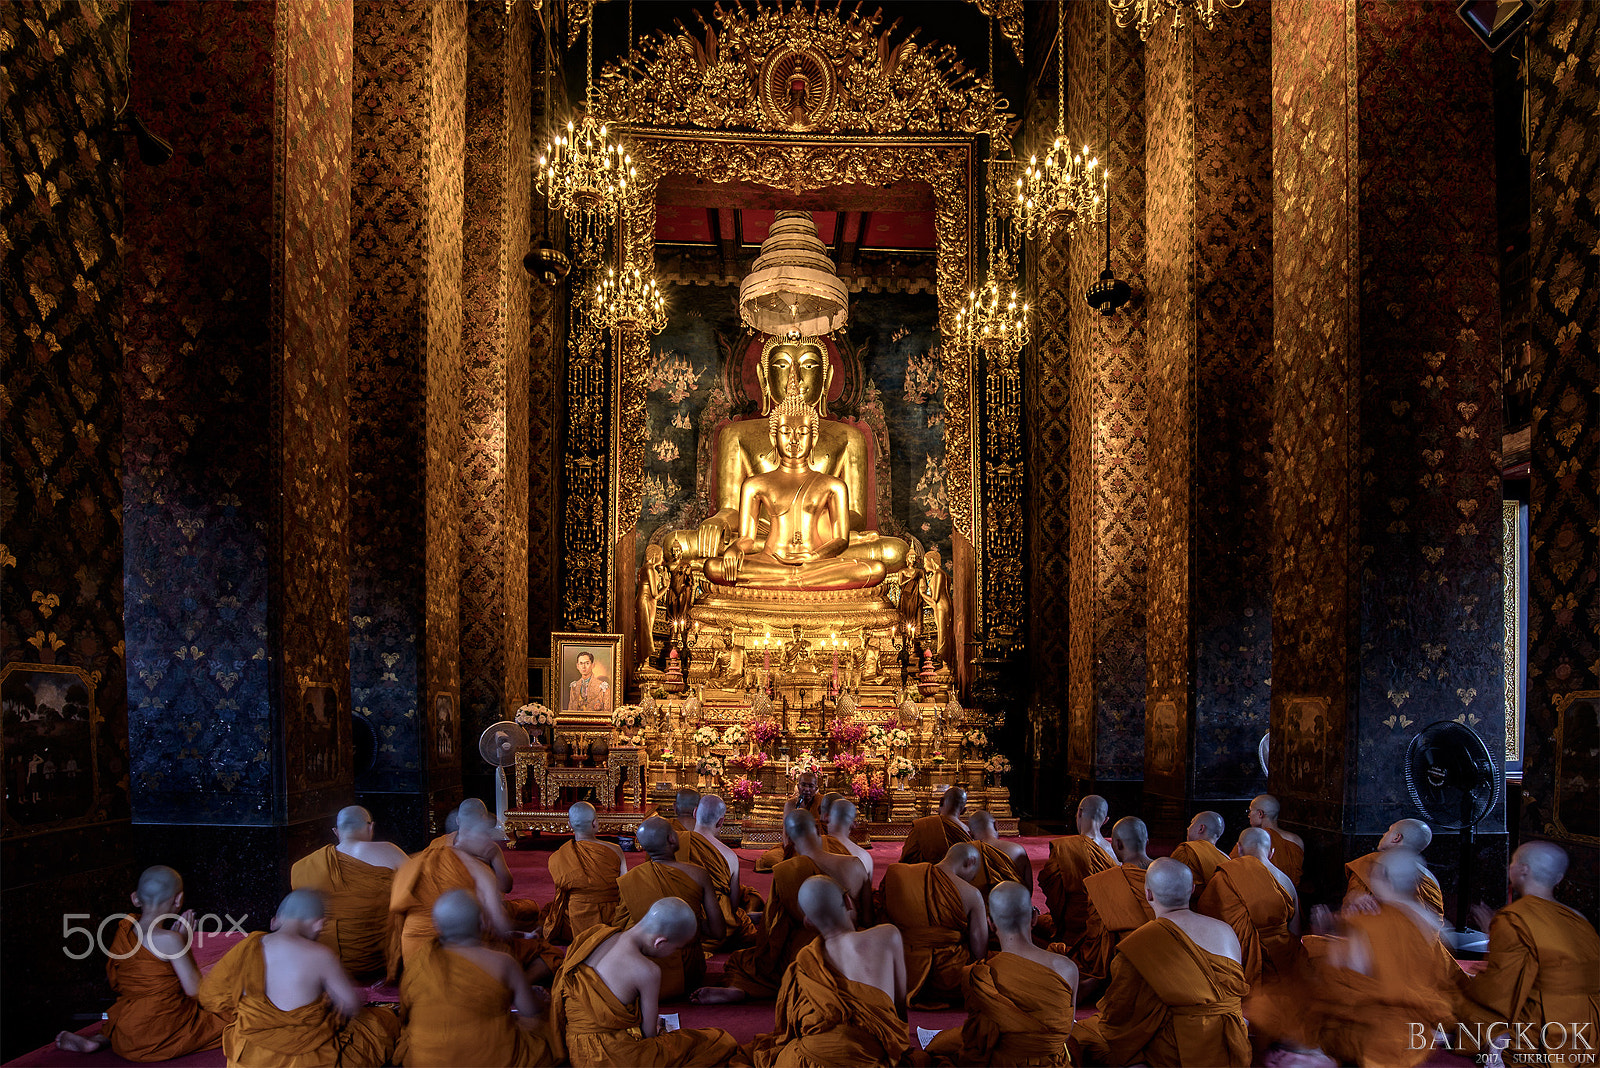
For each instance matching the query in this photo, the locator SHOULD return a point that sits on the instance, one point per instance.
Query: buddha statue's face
(801, 362)
(795, 435)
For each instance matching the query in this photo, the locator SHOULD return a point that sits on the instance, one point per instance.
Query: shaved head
(710, 809)
(655, 835)
(670, 924)
(1011, 907)
(1413, 834)
(1255, 842)
(158, 885)
(982, 822)
(1170, 882)
(1131, 832)
(843, 811)
(473, 807)
(686, 802)
(953, 801)
(1546, 862)
(581, 816)
(457, 916)
(799, 826)
(1401, 869)
(1093, 807)
(476, 828)
(1266, 806)
(1206, 827)
(827, 802)
(963, 859)
(301, 905)
(823, 903)
(352, 820)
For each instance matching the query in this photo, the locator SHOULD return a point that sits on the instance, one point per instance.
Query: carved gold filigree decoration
(796, 71)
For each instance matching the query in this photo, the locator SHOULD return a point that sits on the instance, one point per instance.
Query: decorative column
(406, 407)
(494, 385)
(1564, 521)
(1386, 611)
(1209, 221)
(586, 456)
(236, 472)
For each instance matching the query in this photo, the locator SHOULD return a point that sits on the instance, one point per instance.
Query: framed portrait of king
(584, 677)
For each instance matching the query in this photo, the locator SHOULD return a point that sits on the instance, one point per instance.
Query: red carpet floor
(529, 869)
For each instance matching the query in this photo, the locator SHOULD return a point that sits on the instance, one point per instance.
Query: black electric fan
(1453, 780)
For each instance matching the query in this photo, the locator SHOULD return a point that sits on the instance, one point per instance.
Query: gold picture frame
(584, 698)
(1563, 737)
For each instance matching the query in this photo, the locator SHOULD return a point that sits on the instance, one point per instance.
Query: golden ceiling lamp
(1062, 191)
(1150, 12)
(793, 289)
(629, 299)
(585, 171)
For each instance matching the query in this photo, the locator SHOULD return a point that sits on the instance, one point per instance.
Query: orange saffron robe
(998, 867)
(1116, 908)
(355, 895)
(524, 911)
(1543, 968)
(758, 971)
(926, 905)
(593, 1029)
(643, 886)
(152, 1018)
(823, 1018)
(457, 1013)
(1018, 1013)
(693, 848)
(930, 838)
(1358, 880)
(1168, 1002)
(1202, 859)
(585, 875)
(262, 1035)
(1286, 856)
(1072, 860)
(1244, 895)
(419, 883)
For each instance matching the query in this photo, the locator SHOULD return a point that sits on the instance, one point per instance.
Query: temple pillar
(494, 377)
(406, 406)
(546, 336)
(1209, 226)
(1564, 532)
(1386, 608)
(236, 470)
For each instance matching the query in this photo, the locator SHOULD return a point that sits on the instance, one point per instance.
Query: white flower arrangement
(534, 714)
(899, 739)
(628, 718)
(997, 765)
(706, 736)
(709, 765)
(734, 735)
(806, 761)
(901, 768)
(877, 736)
(974, 739)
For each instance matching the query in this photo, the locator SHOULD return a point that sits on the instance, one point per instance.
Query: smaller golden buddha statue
(794, 522)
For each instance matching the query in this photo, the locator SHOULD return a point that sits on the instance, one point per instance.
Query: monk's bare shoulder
(884, 938)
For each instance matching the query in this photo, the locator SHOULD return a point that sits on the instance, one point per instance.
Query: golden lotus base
(776, 611)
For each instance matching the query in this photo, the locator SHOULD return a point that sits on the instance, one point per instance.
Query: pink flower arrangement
(761, 732)
(744, 790)
(864, 789)
(748, 763)
(847, 734)
(850, 764)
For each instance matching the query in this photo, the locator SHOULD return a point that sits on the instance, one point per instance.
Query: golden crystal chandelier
(1150, 12)
(629, 299)
(585, 171)
(1059, 193)
(994, 317)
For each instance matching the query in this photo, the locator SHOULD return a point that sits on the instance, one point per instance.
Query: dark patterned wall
(405, 369)
(494, 387)
(546, 341)
(1564, 566)
(1386, 605)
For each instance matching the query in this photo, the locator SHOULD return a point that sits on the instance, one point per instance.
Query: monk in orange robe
(805, 799)
(291, 1001)
(1019, 1002)
(664, 876)
(354, 878)
(1261, 905)
(585, 872)
(603, 1007)
(1175, 987)
(758, 971)
(1542, 974)
(843, 999)
(931, 836)
(1002, 860)
(524, 911)
(152, 970)
(942, 922)
(1402, 834)
(460, 866)
(1072, 860)
(684, 806)
(842, 815)
(701, 847)
(1199, 851)
(1288, 850)
(1117, 902)
(456, 998)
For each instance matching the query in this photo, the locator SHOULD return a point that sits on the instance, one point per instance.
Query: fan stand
(501, 798)
(1462, 938)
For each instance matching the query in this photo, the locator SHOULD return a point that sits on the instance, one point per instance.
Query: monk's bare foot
(717, 995)
(73, 1042)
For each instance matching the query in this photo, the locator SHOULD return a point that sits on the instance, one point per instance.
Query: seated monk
(757, 971)
(1260, 903)
(353, 878)
(931, 837)
(1019, 1002)
(291, 1001)
(1072, 860)
(942, 922)
(1388, 970)
(151, 968)
(663, 875)
(458, 862)
(1175, 987)
(585, 871)
(1199, 851)
(843, 998)
(603, 1007)
(1542, 973)
(842, 816)
(1288, 850)
(524, 911)
(805, 797)
(1118, 905)
(702, 847)
(683, 808)
(457, 995)
(1402, 834)
(1003, 861)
